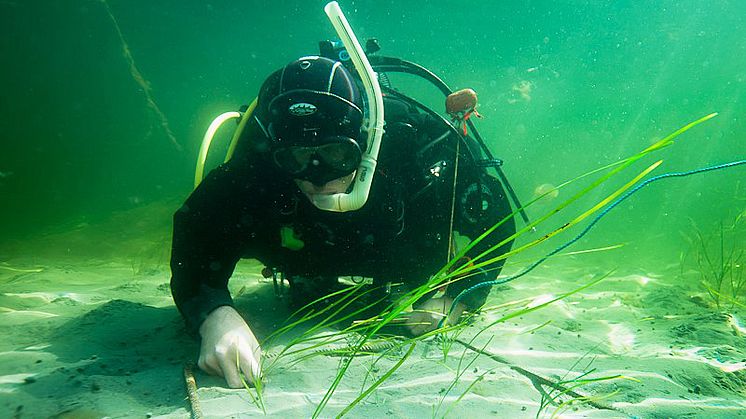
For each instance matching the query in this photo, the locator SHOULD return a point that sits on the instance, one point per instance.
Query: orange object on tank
(461, 102)
(461, 105)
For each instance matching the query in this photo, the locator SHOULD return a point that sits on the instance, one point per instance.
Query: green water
(565, 86)
(600, 81)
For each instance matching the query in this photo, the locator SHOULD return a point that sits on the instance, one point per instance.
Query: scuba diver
(304, 142)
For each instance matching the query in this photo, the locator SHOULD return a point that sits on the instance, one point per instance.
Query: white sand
(89, 330)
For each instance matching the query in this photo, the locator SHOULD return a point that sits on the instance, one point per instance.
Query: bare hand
(428, 315)
(227, 344)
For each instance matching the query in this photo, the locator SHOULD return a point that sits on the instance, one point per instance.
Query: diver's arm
(228, 346)
(474, 215)
(205, 249)
(210, 235)
(212, 229)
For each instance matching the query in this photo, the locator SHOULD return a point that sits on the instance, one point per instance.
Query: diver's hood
(304, 117)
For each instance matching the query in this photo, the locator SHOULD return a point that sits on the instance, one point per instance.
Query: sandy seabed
(87, 333)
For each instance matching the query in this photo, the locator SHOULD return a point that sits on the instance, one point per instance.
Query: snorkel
(358, 195)
(360, 189)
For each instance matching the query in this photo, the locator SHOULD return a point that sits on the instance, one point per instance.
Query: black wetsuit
(243, 209)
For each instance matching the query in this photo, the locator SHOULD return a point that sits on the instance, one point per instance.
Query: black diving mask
(336, 157)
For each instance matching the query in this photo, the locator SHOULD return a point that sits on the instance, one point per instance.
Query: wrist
(216, 317)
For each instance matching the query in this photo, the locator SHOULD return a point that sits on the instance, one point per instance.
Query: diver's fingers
(250, 366)
(230, 369)
(209, 364)
(417, 324)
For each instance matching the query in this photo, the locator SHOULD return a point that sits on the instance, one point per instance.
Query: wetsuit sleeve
(218, 224)
(206, 246)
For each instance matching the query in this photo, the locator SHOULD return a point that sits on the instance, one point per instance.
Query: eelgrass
(615, 169)
(721, 260)
(447, 274)
(329, 317)
(257, 398)
(476, 381)
(564, 394)
(457, 328)
(460, 370)
(393, 313)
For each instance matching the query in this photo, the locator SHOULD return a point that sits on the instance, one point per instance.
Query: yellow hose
(241, 125)
(210, 134)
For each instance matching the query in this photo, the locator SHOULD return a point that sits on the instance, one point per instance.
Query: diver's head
(315, 121)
